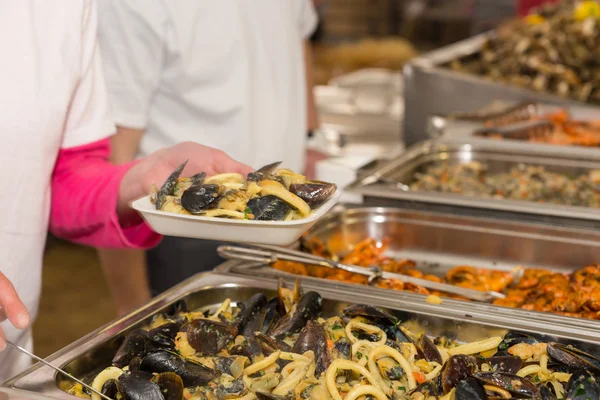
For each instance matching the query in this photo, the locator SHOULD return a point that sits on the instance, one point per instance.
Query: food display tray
(431, 88)
(87, 356)
(499, 157)
(438, 243)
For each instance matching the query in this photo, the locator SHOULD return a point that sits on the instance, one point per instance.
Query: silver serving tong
(519, 131)
(85, 385)
(270, 254)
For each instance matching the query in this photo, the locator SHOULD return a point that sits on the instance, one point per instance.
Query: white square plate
(277, 233)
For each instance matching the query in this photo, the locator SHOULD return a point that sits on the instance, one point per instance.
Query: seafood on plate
(522, 182)
(288, 348)
(553, 50)
(267, 194)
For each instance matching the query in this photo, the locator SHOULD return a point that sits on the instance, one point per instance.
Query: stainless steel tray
(88, 355)
(498, 157)
(438, 242)
(430, 88)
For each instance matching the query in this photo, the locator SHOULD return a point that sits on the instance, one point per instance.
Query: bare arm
(125, 270)
(312, 115)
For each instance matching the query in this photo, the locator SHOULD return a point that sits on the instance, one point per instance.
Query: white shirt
(52, 96)
(228, 74)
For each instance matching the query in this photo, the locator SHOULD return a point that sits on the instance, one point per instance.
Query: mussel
(573, 358)
(456, 369)
(381, 318)
(546, 393)
(307, 308)
(208, 337)
(192, 374)
(164, 335)
(133, 346)
(249, 314)
(508, 364)
(110, 388)
(198, 198)
(312, 337)
(263, 173)
(470, 389)
(582, 386)
(427, 349)
(170, 384)
(169, 186)
(262, 395)
(231, 389)
(314, 193)
(268, 208)
(513, 384)
(134, 386)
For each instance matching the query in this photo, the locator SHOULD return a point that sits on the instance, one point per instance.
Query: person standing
(232, 74)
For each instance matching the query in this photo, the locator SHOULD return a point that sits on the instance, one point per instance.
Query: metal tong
(270, 254)
(85, 385)
(540, 129)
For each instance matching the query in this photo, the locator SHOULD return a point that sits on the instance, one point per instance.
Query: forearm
(85, 196)
(311, 109)
(125, 144)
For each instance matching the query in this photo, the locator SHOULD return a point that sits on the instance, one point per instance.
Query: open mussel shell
(263, 172)
(427, 390)
(307, 308)
(133, 346)
(380, 318)
(250, 310)
(262, 395)
(314, 193)
(514, 384)
(268, 208)
(231, 390)
(312, 337)
(470, 389)
(508, 364)
(582, 386)
(164, 336)
(456, 369)
(546, 393)
(135, 386)
(208, 337)
(199, 198)
(110, 388)
(427, 349)
(192, 373)
(573, 358)
(513, 338)
(170, 384)
(169, 186)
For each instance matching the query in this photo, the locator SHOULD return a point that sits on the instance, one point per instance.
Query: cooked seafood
(576, 294)
(523, 182)
(553, 50)
(268, 194)
(364, 353)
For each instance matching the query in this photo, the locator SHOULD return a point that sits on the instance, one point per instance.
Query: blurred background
(353, 36)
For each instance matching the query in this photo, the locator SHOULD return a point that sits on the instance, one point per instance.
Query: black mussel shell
(192, 373)
(176, 308)
(171, 385)
(470, 389)
(271, 313)
(313, 337)
(269, 345)
(244, 350)
(308, 307)
(197, 199)
(133, 346)
(198, 179)
(223, 364)
(134, 365)
(381, 318)
(573, 358)
(268, 208)
(508, 364)
(343, 347)
(110, 388)
(250, 318)
(313, 193)
(427, 350)
(164, 335)
(137, 387)
(513, 384)
(262, 395)
(263, 172)
(427, 389)
(513, 338)
(168, 186)
(546, 393)
(456, 369)
(234, 390)
(209, 337)
(582, 386)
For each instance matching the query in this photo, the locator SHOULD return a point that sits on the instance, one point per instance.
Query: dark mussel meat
(265, 172)
(513, 384)
(168, 187)
(170, 384)
(314, 193)
(470, 389)
(208, 337)
(381, 318)
(192, 373)
(135, 386)
(307, 308)
(199, 198)
(427, 349)
(313, 337)
(250, 312)
(456, 369)
(508, 364)
(133, 346)
(268, 208)
(231, 390)
(546, 393)
(582, 386)
(573, 358)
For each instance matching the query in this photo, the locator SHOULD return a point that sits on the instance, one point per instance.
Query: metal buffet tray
(93, 352)
(438, 242)
(498, 157)
(431, 88)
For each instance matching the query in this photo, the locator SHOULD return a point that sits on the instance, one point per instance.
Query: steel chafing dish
(90, 354)
(389, 184)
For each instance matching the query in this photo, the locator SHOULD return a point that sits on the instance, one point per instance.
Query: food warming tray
(499, 158)
(93, 352)
(438, 243)
(431, 88)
